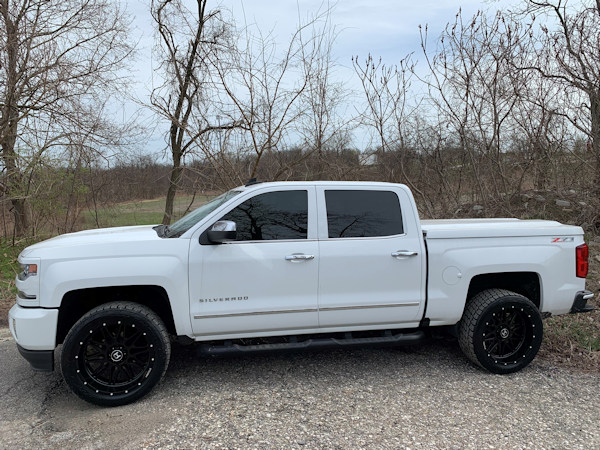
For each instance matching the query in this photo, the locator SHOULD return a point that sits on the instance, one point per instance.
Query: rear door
(371, 258)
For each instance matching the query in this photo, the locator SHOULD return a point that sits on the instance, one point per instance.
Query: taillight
(582, 253)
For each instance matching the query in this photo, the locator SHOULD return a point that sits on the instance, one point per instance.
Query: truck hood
(97, 236)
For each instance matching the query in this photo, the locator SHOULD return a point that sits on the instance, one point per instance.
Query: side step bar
(317, 343)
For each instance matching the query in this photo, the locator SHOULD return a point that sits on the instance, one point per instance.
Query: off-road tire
(115, 354)
(500, 331)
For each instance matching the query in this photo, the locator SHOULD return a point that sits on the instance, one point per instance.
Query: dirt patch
(5, 305)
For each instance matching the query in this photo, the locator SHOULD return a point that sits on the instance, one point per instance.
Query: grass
(142, 212)
(9, 267)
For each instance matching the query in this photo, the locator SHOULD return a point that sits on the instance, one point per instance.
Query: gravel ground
(423, 397)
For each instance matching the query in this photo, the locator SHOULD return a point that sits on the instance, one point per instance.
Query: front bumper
(40, 360)
(34, 330)
(580, 303)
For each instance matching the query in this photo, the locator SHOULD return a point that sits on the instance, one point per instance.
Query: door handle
(299, 257)
(401, 253)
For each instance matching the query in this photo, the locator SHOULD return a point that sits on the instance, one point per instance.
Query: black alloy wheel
(115, 354)
(501, 331)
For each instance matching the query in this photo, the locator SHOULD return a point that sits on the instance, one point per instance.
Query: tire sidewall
(72, 348)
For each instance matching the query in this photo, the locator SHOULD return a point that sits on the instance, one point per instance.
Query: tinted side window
(274, 215)
(363, 213)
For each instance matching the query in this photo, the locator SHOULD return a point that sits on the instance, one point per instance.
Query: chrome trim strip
(391, 305)
(365, 326)
(365, 238)
(293, 311)
(238, 332)
(588, 296)
(266, 241)
(257, 313)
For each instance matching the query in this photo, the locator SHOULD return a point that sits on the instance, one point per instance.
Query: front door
(266, 281)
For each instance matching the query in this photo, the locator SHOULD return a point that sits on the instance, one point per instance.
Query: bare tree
(385, 90)
(563, 48)
(471, 88)
(387, 114)
(323, 127)
(185, 99)
(58, 59)
(265, 84)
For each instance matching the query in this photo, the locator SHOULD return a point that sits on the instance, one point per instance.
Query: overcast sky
(384, 28)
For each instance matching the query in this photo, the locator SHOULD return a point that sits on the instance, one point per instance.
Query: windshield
(191, 219)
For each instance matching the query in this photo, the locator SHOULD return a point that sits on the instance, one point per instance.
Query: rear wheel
(115, 354)
(500, 331)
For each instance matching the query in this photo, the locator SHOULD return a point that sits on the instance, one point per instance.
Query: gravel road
(423, 397)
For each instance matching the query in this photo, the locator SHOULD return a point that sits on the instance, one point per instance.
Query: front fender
(168, 272)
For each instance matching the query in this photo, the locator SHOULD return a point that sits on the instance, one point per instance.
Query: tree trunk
(174, 180)
(19, 210)
(9, 119)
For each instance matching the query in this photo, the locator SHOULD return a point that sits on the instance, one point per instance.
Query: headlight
(28, 270)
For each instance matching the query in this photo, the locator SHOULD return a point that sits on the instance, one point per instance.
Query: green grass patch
(579, 331)
(9, 268)
(141, 212)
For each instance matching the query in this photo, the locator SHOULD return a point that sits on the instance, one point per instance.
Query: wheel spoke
(137, 363)
(128, 370)
(131, 340)
(119, 333)
(95, 348)
(493, 347)
(100, 369)
(139, 351)
(111, 377)
(95, 358)
(108, 337)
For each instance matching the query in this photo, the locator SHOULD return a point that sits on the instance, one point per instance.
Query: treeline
(442, 182)
(500, 115)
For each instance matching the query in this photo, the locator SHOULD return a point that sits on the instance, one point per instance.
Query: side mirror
(222, 231)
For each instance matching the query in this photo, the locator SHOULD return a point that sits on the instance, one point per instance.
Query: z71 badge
(559, 240)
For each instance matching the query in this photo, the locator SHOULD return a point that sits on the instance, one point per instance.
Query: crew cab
(291, 265)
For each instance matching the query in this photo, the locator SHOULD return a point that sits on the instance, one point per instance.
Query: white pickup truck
(291, 265)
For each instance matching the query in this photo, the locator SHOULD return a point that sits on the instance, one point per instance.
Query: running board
(317, 343)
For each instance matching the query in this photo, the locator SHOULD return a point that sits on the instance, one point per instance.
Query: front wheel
(500, 331)
(115, 354)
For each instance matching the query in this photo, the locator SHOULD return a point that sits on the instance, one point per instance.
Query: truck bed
(490, 228)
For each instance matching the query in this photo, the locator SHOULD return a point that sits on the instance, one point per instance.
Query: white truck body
(419, 277)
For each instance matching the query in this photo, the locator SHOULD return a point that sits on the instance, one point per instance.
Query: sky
(383, 28)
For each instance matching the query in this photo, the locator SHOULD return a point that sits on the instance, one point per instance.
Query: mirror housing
(222, 231)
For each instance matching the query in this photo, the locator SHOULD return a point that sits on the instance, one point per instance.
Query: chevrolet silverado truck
(291, 265)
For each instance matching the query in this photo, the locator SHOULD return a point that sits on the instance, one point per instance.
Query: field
(142, 212)
(572, 340)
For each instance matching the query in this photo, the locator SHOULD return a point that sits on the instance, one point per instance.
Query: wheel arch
(527, 284)
(78, 302)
